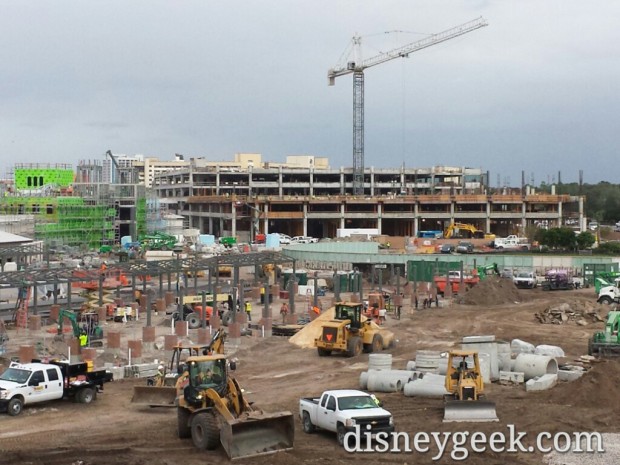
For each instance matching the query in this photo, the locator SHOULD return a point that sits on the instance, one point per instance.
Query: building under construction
(76, 208)
(247, 196)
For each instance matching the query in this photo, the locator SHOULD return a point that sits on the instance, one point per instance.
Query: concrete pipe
(533, 366)
(422, 388)
(403, 375)
(364, 379)
(379, 361)
(411, 365)
(503, 356)
(379, 383)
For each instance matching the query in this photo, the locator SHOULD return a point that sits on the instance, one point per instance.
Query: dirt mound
(305, 338)
(491, 291)
(597, 387)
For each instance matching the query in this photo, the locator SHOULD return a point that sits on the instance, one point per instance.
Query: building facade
(237, 199)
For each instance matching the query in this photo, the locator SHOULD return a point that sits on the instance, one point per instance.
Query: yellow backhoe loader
(465, 401)
(212, 410)
(160, 390)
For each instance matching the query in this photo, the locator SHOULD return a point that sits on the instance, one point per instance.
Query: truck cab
(610, 294)
(345, 410)
(29, 383)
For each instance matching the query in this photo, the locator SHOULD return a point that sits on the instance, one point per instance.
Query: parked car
(593, 225)
(465, 247)
(303, 240)
(617, 227)
(284, 239)
(447, 248)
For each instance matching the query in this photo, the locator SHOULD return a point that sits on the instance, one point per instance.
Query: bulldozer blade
(154, 396)
(258, 434)
(469, 410)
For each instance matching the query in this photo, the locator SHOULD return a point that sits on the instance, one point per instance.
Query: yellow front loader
(212, 410)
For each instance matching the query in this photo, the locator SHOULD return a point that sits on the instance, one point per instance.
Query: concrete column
(170, 340)
(241, 318)
(73, 343)
(148, 334)
(379, 222)
(54, 311)
(234, 219)
(169, 296)
(102, 313)
(88, 353)
(305, 219)
(234, 333)
(135, 346)
(114, 339)
(26, 354)
(215, 322)
(180, 328)
(267, 324)
(34, 322)
(204, 336)
(161, 305)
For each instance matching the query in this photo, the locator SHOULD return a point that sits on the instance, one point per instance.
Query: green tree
(585, 240)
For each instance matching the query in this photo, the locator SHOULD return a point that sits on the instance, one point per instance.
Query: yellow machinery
(349, 334)
(160, 390)
(465, 231)
(212, 410)
(465, 401)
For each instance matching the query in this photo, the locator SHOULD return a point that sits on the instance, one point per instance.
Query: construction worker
(284, 311)
(83, 339)
(159, 376)
(316, 310)
(248, 309)
(376, 400)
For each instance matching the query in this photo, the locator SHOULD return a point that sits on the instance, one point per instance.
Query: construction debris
(579, 313)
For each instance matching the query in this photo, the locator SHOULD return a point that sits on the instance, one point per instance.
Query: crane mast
(357, 68)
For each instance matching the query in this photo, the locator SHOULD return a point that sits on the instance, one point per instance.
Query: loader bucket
(469, 410)
(154, 396)
(258, 434)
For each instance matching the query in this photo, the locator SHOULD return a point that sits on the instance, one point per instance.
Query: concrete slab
(511, 377)
(470, 339)
(569, 375)
(541, 383)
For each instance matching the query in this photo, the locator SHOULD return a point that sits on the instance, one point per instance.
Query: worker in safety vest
(83, 339)
(248, 309)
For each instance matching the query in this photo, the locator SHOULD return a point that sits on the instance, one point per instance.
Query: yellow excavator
(465, 401)
(160, 390)
(212, 410)
(466, 231)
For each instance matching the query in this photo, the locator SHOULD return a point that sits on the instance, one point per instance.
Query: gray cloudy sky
(535, 90)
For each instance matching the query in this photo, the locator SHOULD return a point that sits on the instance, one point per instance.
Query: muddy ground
(275, 374)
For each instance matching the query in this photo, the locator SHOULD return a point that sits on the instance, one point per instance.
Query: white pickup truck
(30, 383)
(342, 411)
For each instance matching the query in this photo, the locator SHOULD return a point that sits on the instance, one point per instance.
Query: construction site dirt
(276, 373)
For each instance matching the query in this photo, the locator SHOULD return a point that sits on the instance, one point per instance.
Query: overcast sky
(537, 90)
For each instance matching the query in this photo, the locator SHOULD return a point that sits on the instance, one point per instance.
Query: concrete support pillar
(135, 346)
(234, 333)
(204, 336)
(144, 300)
(215, 322)
(102, 313)
(26, 354)
(267, 324)
(241, 318)
(114, 340)
(148, 334)
(73, 344)
(34, 322)
(169, 298)
(89, 354)
(54, 311)
(161, 305)
(180, 328)
(170, 340)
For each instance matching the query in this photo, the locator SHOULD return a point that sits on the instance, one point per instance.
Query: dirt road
(275, 374)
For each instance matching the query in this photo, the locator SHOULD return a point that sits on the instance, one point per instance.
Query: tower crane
(357, 67)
